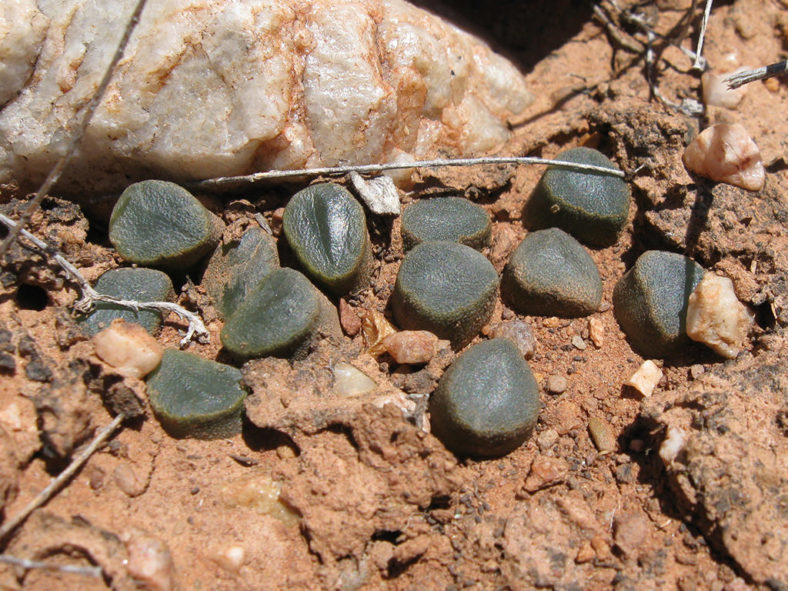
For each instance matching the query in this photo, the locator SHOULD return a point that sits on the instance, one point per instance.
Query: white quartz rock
(228, 87)
(715, 316)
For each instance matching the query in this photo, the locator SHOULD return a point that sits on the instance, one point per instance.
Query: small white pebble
(579, 343)
(716, 318)
(673, 444)
(230, 558)
(646, 378)
(726, 153)
(716, 92)
(150, 562)
(128, 348)
(350, 381)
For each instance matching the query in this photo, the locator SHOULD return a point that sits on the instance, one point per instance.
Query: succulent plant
(551, 274)
(446, 218)
(487, 402)
(650, 301)
(161, 224)
(327, 230)
(196, 397)
(237, 267)
(591, 207)
(446, 288)
(279, 317)
(138, 284)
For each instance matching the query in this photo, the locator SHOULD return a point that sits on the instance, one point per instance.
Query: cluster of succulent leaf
(487, 401)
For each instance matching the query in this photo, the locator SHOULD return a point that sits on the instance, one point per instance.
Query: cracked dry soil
(380, 503)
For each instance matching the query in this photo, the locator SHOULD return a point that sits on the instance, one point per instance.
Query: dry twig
(90, 571)
(747, 76)
(46, 494)
(78, 133)
(89, 296)
(378, 168)
(700, 61)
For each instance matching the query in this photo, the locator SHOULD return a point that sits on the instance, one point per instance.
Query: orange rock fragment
(415, 347)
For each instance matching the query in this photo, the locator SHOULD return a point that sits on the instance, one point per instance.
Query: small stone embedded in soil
(446, 288)
(158, 223)
(487, 401)
(630, 530)
(237, 267)
(578, 343)
(602, 435)
(545, 472)
(716, 92)
(414, 347)
(137, 284)
(128, 348)
(596, 332)
(556, 384)
(452, 219)
(349, 318)
(716, 318)
(726, 153)
(281, 316)
(327, 230)
(196, 397)
(260, 493)
(551, 274)
(351, 381)
(519, 332)
(150, 562)
(646, 378)
(591, 207)
(650, 302)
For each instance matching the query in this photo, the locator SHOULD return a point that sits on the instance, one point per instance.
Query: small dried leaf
(375, 327)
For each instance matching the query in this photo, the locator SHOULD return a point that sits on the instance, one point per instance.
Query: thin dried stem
(78, 133)
(700, 61)
(46, 494)
(378, 168)
(741, 78)
(89, 296)
(89, 571)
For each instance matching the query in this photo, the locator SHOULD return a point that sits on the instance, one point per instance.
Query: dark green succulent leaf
(446, 218)
(551, 274)
(327, 230)
(278, 317)
(237, 267)
(196, 397)
(592, 207)
(487, 401)
(138, 284)
(446, 288)
(650, 302)
(159, 223)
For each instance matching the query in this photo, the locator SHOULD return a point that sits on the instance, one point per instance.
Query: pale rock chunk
(349, 381)
(128, 348)
(22, 30)
(715, 317)
(150, 562)
(726, 153)
(415, 347)
(674, 442)
(215, 88)
(716, 92)
(646, 378)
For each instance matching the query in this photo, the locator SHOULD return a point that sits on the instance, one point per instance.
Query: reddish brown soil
(379, 502)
